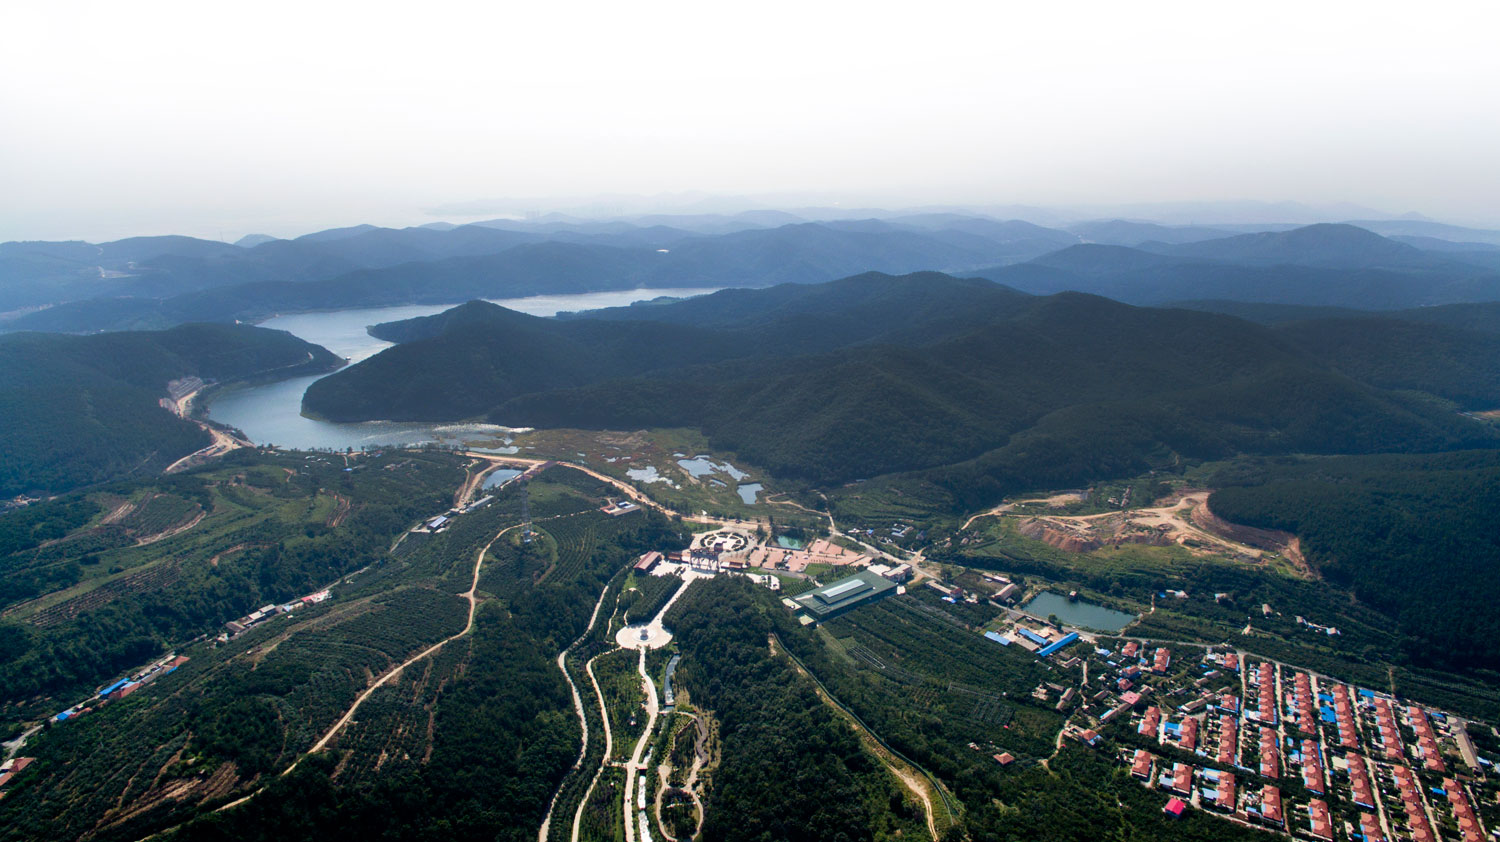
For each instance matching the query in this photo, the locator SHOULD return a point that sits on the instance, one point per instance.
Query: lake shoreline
(271, 413)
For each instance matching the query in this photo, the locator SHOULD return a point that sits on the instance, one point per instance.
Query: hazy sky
(219, 119)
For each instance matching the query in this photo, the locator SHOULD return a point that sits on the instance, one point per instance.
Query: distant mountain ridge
(359, 266)
(1326, 244)
(1316, 265)
(484, 262)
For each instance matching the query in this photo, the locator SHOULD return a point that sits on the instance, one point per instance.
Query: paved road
(634, 767)
(583, 720)
(609, 743)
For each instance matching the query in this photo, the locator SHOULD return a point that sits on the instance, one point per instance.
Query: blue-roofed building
(113, 687)
(1032, 636)
(1066, 639)
(998, 638)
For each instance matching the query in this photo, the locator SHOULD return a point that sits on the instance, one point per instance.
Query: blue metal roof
(1066, 639)
(113, 687)
(1032, 636)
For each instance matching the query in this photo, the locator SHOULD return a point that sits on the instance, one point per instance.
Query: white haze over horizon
(217, 120)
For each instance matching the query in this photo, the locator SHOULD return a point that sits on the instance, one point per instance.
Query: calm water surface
(1079, 613)
(702, 466)
(272, 414)
(500, 476)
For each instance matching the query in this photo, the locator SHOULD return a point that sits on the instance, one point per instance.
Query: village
(112, 692)
(1281, 748)
(1223, 731)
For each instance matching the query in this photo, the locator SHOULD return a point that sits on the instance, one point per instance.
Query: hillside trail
(392, 673)
(1059, 499)
(175, 530)
(909, 778)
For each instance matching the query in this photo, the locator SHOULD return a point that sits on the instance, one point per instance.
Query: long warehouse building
(831, 600)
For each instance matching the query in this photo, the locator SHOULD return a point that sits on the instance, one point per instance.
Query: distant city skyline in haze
(283, 118)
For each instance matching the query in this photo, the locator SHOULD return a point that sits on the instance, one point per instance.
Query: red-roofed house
(1312, 767)
(1225, 798)
(1322, 825)
(1270, 804)
(1359, 781)
(1140, 766)
(1270, 754)
(1162, 661)
(1229, 737)
(1187, 738)
(1150, 722)
(1182, 779)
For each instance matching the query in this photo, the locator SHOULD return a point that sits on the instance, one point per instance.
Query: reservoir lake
(272, 413)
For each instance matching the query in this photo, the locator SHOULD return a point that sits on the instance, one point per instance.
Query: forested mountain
(931, 372)
(33, 273)
(1342, 246)
(1413, 536)
(82, 409)
(162, 281)
(156, 282)
(1123, 232)
(463, 362)
(1480, 316)
(1455, 363)
(866, 305)
(1317, 265)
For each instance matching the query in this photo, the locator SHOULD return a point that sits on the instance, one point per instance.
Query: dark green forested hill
(1413, 535)
(485, 354)
(1455, 363)
(464, 362)
(998, 390)
(1316, 265)
(1481, 316)
(82, 409)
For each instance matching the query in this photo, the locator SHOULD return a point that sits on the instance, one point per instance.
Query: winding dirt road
(222, 442)
(389, 674)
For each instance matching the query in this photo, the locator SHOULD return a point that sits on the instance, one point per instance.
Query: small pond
(1078, 612)
(702, 466)
(499, 476)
